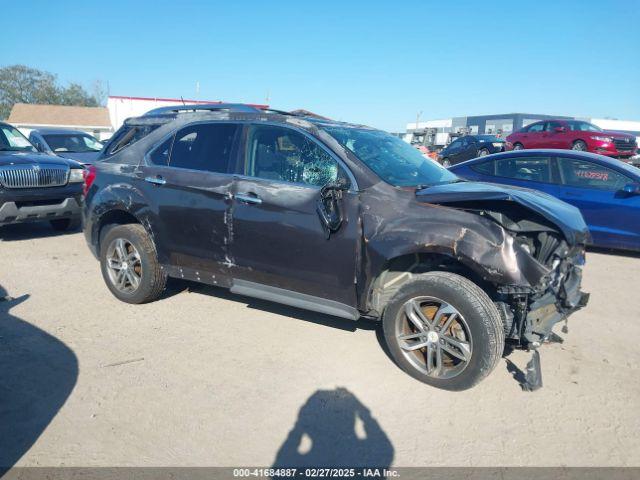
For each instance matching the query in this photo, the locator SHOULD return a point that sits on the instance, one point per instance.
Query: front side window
(282, 154)
(536, 127)
(205, 147)
(12, 140)
(534, 169)
(392, 159)
(72, 143)
(583, 174)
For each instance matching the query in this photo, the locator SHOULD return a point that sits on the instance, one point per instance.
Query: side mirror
(558, 129)
(631, 189)
(328, 205)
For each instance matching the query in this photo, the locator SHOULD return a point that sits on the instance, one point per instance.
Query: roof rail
(210, 107)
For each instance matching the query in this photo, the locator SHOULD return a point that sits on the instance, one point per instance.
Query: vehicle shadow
(37, 374)
(29, 231)
(176, 286)
(610, 251)
(334, 429)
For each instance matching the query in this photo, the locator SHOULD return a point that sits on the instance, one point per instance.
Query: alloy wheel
(124, 265)
(434, 337)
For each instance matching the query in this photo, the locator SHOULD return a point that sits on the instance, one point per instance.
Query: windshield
(72, 143)
(12, 140)
(583, 126)
(392, 159)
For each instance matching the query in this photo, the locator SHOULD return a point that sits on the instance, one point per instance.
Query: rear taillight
(89, 177)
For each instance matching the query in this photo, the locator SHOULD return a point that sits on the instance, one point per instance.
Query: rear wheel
(64, 224)
(482, 152)
(444, 330)
(579, 145)
(518, 146)
(129, 264)
(446, 163)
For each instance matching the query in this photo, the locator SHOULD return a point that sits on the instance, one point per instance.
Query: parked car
(339, 219)
(471, 146)
(35, 186)
(606, 191)
(574, 135)
(73, 144)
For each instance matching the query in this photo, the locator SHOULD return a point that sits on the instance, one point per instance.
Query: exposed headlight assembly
(75, 175)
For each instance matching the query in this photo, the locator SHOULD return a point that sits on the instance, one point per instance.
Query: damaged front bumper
(530, 316)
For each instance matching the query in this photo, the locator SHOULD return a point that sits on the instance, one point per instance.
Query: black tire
(446, 162)
(153, 279)
(65, 224)
(482, 152)
(518, 146)
(579, 145)
(480, 316)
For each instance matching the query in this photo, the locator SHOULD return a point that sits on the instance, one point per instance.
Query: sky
(377, 63)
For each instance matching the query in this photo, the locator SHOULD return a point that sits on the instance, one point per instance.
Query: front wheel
(482, 152)
(518, 146)
(130, 265)
(446, 163)
(579, 145)
(444, 330)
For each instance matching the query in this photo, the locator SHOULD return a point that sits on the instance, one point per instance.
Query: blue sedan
(607, 191)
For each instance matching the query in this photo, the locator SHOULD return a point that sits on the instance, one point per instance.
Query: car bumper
(19, 212)
(612, 151)
(555, 306)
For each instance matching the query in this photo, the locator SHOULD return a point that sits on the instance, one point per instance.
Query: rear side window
(486, 168)
(578, 173)
(534, 169)
(205, 147)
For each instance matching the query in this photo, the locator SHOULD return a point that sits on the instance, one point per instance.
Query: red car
(574, 135)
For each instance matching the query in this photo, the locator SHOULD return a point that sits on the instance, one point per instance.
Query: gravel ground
(206, 378)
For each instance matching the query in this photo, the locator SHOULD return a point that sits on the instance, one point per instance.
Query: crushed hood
(566, 217)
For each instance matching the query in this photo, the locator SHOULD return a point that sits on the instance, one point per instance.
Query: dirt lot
(203, 377)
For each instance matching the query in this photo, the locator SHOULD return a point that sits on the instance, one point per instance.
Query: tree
(22, 84)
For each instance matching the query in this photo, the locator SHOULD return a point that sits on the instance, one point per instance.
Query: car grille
(20, 176)
(623, 146)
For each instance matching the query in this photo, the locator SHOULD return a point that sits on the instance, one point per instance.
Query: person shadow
(37, 374)
(334, 429)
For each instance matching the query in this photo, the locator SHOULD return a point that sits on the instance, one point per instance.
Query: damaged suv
(340, 219)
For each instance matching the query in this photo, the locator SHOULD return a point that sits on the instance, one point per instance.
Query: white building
(121, 108)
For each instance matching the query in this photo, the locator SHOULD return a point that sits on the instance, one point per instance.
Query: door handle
(158, 180)
(251, 198)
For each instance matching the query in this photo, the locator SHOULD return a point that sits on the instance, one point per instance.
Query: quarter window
(205, 147)
(277, 153)
(578, 173)
(535, 169)
(160, 155)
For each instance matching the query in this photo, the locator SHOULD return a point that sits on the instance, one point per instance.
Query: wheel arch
(400, 269)
(117, 216)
